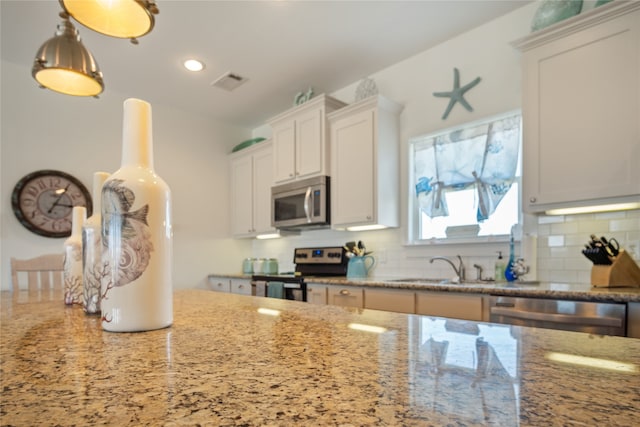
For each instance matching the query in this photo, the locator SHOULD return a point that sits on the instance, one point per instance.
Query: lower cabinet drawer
(398, 301)
(219, 284)
(316, 293)
(242, 287)
(465, 307)
(346, 296)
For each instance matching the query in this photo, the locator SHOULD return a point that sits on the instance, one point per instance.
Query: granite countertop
(571, 291)
(226, 362)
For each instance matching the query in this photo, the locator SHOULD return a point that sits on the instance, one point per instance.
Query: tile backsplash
(562, 238)
(558, 241)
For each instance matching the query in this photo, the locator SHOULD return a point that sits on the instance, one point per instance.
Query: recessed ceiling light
(193, 65)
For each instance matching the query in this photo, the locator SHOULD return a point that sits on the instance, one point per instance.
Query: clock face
(43, 202)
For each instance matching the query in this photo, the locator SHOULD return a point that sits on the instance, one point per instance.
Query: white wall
(45, 130)
(41, 130)
(485, 52)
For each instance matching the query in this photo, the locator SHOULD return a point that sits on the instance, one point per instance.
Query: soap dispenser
(500, 267)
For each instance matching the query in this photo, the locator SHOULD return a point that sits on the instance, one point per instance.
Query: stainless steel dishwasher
(579, 316)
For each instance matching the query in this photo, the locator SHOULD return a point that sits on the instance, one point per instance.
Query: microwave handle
(307, 200)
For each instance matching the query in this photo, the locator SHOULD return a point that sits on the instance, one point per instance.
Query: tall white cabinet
(251, 180)
(365, 164)
(581, 110)
(300, 147)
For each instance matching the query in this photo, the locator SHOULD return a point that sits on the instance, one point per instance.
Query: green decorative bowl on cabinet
(553, 11)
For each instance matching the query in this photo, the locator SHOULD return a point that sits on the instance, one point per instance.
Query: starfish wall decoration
(457, 94)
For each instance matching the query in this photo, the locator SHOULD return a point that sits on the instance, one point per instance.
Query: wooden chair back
(43, 272)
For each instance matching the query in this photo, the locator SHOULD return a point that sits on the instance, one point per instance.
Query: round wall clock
(43, 202)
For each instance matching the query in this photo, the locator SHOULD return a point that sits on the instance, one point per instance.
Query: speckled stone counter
(571, 291)
(227, 361)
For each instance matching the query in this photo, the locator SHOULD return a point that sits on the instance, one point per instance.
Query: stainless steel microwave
(301, 204)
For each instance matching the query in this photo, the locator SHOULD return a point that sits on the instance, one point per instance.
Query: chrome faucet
(459, 270)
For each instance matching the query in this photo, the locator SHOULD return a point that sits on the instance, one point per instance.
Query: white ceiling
(282, 47)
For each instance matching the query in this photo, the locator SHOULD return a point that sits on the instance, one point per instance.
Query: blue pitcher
(358, 268)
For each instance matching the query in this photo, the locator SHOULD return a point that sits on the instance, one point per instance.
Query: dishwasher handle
(557, 317)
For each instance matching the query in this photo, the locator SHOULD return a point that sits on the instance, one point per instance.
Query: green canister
(247, 266)
(270, 266)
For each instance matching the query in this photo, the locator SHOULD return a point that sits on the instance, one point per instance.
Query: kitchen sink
(441, 281)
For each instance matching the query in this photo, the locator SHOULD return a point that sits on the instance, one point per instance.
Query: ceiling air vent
(229, 81)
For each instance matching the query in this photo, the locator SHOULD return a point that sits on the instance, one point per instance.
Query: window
(465, 181)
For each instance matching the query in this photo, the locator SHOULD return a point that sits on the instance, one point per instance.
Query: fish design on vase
(133, 246)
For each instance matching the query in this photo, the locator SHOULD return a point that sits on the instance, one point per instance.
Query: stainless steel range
(309, 262)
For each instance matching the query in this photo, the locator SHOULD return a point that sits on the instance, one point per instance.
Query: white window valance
(483, 155)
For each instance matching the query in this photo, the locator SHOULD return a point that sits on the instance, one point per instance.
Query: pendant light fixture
(64, 65)
(127, 19)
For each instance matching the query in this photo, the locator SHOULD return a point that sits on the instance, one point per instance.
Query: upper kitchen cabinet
(251, 179)
(581, 108)
(300, 148)
(364, 146)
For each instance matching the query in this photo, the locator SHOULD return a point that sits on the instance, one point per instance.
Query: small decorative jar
(72, 270)
(257, 265)
(270, 266)
(93, 268)
(247, 266)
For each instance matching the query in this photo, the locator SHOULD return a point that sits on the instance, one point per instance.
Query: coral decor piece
(302, 97)
(93, 266)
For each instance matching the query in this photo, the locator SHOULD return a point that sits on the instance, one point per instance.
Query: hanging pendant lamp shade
(64, 65)
(125, 19)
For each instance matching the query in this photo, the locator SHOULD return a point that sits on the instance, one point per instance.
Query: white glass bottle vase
(93, 267)
(72, 267)
(136, 233)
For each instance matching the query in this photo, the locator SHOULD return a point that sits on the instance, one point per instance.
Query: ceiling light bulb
(125, 19)
(64, 65)
(193, 65)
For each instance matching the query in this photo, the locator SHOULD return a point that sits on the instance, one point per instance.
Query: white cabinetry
(251, 180)
(365, 168)
(241, 286)
(581, 110)
(457, 306)
(219, 284)
(398, 301)
(300, 148)
(345, 296)
(317, 293)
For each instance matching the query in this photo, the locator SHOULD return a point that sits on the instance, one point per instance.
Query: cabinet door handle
(240, 286)
(344, 292)
(532, 199)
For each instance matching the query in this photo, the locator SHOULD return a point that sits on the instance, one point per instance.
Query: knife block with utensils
(623, 272)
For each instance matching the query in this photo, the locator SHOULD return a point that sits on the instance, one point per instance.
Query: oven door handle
(307, 200)
(557, 317)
